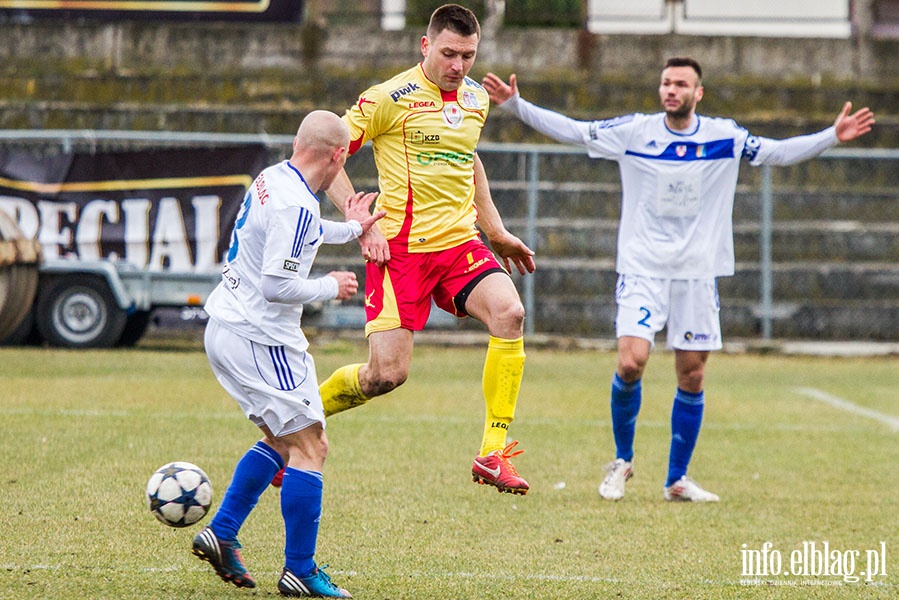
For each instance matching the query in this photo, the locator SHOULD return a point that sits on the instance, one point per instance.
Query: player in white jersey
(258, 351)
(678, 179)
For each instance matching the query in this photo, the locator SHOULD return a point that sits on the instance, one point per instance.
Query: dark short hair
(685, 61)
(457, 19)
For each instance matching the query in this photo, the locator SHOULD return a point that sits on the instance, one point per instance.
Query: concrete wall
(143, 46)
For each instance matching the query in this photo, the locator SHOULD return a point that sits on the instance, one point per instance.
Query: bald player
(259, 353)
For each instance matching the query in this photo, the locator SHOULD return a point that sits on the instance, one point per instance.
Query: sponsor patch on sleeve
(291, 265)
(751, 147)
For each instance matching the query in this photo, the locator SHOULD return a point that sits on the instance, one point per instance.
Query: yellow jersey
(424, 140)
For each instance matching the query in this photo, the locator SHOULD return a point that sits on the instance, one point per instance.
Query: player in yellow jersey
(424, 125)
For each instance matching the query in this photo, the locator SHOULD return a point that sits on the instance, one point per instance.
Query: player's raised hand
(347, 285)
(358, 207)
(512, 250)
(498, 90)
(850, 127)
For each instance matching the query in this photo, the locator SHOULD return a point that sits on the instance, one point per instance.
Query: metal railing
(523, 177)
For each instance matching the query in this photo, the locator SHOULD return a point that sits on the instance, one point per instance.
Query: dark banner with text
(154, 209)
(227, 10)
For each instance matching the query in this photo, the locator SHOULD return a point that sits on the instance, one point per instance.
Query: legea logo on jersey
(420, 137)
(406, 89)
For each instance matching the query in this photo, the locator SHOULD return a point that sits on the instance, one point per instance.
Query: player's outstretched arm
(549, 123)
(498, 90)
(850, 127)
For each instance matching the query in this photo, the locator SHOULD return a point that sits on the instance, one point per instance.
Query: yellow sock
(341, 391)
(503, 370)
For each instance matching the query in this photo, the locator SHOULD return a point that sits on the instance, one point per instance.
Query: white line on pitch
(889, 420)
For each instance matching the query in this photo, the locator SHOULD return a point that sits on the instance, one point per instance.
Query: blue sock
(686, 419)
(301, 507)
(252, 476)
(626, 399)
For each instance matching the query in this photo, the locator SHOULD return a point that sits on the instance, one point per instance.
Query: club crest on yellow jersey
(453, 116)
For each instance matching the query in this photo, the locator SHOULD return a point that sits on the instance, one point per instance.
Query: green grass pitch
(83, 430)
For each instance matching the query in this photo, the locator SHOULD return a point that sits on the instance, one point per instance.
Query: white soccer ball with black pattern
(179, 494)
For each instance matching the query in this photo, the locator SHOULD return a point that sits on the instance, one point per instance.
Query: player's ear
(425, 46)
(699, 91)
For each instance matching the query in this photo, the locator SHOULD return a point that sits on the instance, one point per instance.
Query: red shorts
(398, 295)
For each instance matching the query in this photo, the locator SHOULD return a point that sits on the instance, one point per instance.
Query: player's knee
(320, 448)
(515, 315)
(630, 369)
(507, 321)
(277, 445)
(691, 381)
(309, 448)
(384, 381)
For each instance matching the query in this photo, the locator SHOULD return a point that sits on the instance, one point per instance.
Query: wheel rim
(80, 316)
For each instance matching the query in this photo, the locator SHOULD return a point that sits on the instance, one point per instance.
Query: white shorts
(275, 386)
(689, 307)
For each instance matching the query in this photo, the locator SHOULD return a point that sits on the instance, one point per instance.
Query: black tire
(78, 311)
(135, 327)
(18, 277)
(26, 334)
(18, 284)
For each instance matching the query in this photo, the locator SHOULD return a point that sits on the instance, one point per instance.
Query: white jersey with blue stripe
(677, 186)
(677, 193)
(278, 232)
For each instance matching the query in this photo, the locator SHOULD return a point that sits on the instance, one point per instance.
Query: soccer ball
(179, 494)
